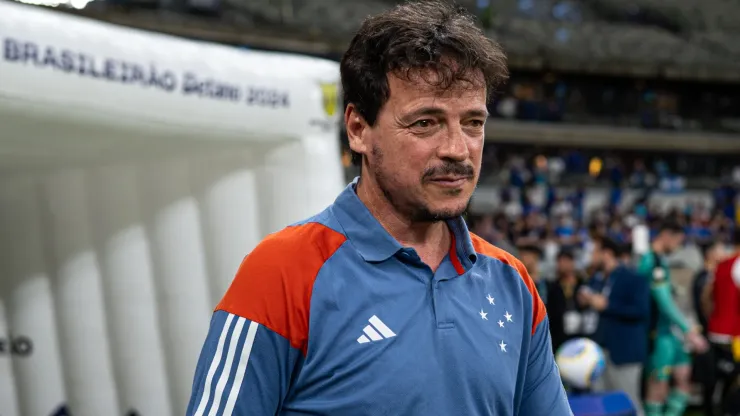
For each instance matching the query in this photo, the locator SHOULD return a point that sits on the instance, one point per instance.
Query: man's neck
(419, 235)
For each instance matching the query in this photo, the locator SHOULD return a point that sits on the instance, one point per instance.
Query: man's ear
(356, 130)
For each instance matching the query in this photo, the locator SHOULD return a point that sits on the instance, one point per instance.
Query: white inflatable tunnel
(136, 172)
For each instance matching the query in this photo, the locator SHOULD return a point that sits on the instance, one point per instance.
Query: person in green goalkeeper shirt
(674, 337)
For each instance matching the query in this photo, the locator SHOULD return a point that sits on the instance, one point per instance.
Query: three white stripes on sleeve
(241, 368)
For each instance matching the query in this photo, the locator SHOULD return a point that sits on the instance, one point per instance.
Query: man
(531, 256)
(624, 315)
(566, 321)
(722, 305)
(673, 334)
(384, 303)
(704, 370)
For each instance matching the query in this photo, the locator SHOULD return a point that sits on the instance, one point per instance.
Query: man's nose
(454, 145)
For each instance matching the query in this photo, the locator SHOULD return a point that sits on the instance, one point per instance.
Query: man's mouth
(449, 181)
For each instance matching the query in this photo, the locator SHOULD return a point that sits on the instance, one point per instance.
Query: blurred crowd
(634, 103)
(574, 249)
(536, 209)
(592, 288)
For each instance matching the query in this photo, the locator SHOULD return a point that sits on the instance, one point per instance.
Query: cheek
(410, 153)
(476, 142)
(475, 147)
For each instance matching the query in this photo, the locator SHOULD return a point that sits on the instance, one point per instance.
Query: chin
(449, 211)
(435, 207)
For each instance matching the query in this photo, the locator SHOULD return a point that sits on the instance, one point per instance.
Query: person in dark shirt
(624, 312)
(566, 320)
(531, 255)
(532, 231)
(711, 253)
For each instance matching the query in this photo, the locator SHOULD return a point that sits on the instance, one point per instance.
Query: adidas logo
(376, 331)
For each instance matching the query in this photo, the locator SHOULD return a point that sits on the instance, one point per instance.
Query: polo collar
(374, 243)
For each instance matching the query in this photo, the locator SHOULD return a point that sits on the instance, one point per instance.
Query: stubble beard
(414, 210)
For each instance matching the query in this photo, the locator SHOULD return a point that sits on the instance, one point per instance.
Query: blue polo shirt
(332, 316)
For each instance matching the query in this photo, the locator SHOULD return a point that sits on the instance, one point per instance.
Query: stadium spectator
(566, 321)
(724, 321)
(712, 254)
(704, 368)
(624, 307)
(384, 303)
(531, 256)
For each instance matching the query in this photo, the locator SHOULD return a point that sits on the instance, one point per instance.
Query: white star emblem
(483, 315)
(490, 300)
(508, 317)
(503, 346)
(500, 323)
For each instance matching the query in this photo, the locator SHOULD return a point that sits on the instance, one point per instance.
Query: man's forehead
(408, 95)
(427, 83)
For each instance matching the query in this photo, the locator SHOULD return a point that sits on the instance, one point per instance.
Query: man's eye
(423, 123)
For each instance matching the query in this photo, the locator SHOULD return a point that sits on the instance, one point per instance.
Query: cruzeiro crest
(330, 99)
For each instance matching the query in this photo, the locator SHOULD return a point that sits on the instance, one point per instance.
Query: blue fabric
(459, 343)
(624, 324)
(604, 404)
(271, 362)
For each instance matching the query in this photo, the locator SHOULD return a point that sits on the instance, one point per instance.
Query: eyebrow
(434, 111)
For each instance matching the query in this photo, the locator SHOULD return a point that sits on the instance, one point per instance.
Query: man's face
(597, 257)
(565, 265)
(425, 149)
(715, 254)
(675, 241)
(531, 262)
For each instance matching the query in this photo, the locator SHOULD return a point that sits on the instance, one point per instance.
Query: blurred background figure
(566, 319)
(675, 336)
(624, 314)
(722, 306)
(705, 367)
(531, 256)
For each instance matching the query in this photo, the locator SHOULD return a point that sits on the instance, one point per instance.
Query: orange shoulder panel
(274, 283)
(487, 249)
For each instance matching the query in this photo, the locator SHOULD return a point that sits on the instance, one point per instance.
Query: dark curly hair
(418, 35)
(671, 225)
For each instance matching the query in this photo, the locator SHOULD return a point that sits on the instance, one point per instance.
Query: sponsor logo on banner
(330, 104)
(329, 93)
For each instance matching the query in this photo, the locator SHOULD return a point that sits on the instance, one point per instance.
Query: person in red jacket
(703, 367)
(724, 317)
